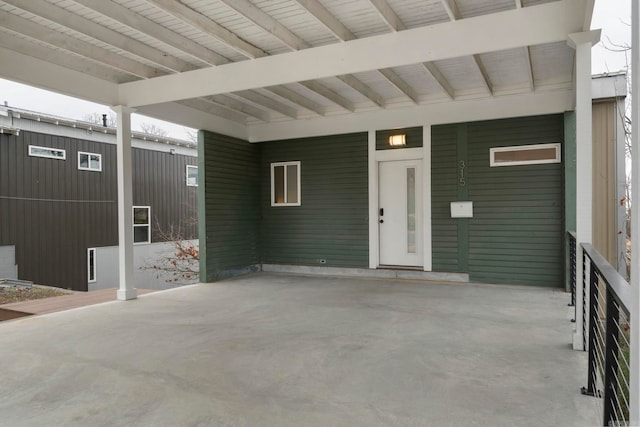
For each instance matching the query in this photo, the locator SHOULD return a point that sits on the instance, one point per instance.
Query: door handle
(381, 211)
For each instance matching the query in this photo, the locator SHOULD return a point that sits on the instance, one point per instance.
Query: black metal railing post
(591, 389)
(586, 287)
(572, 268)
(611, 358)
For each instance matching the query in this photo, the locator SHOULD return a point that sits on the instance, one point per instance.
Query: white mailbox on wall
(461, 209)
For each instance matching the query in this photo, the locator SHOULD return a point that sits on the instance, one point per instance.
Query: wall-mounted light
(398, 140)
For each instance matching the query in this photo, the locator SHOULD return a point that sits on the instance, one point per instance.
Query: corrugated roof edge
(79, 124)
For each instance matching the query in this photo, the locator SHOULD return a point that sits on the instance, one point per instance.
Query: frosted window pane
(292, 184)
(411, 210)
(278, 184)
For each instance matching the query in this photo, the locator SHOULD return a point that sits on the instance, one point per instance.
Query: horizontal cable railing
(607, 298)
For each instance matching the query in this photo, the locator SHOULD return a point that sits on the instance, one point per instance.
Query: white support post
(634, 372)
(426, 168)
(374, 256)
(582, 43)
(126, 290)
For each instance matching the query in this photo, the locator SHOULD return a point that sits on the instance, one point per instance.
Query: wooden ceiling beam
(433, 70)
(265, 101)
(135, 21)
(388, 15)
(89, 28)
(329, 94)
(208, 26)
(71, 44)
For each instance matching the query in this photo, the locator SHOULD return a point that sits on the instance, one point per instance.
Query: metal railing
(607, 298)
(572, 267)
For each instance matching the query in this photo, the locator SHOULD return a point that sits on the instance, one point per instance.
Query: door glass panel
(278, 184)
(292, 183)
(411, 210)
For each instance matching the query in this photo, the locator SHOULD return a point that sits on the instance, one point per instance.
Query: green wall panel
(516, 233)
(332, 222)
(444, 189)
(229, 184)
(413, 138)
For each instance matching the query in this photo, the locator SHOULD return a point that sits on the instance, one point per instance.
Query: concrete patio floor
(284, 350)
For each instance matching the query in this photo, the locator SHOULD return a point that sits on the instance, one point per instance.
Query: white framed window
(47, 152)
(524, 155)
(141, 225)
(91, 265)
(192, 176)
(89, 161)
(285, 184)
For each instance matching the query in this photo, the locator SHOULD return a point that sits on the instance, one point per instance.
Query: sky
(612, 16)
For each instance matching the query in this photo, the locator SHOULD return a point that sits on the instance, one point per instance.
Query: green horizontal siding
(413, 138)
(515, 235)
(332, 222)
(444, 189)
(229, 186)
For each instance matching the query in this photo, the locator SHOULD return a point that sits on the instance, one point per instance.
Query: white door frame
(375, 156)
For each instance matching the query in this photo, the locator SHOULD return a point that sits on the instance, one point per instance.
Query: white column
(374, 233)
(634, 374)
(126, 290)
(582, 43)
(426, 168)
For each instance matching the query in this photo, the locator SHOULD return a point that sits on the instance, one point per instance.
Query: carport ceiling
(263, 61)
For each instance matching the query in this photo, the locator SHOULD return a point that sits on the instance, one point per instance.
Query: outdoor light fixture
(398, 140)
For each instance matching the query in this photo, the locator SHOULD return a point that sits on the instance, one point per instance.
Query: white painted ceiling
(123, 41)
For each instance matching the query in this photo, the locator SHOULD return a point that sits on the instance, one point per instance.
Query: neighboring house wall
(52, 211)
(8, 267)
(605, 197)
(144, 275)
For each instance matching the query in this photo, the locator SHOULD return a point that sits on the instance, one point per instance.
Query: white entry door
(400, 213)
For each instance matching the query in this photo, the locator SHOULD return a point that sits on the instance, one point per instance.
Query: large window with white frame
(89, 161)
(141, 225)
(47, 152)
(533, 154)
(192, 176)
(285, 184)
(91, 265)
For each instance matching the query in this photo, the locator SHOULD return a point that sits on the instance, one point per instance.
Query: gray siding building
(58, 195)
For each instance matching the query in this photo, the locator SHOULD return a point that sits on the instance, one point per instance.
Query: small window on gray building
(141, 224)
(285, 184)
(192, 176)
(89, 161)
(47, 152)
(91, 265)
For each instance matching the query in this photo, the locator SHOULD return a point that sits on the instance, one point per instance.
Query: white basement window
(48, 152)
(91, 265)
(192, 176)
(141, 224)
(89, 161)
(285, 184)
(524, 155)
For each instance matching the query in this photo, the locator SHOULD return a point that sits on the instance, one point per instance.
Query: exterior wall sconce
(398, 140)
